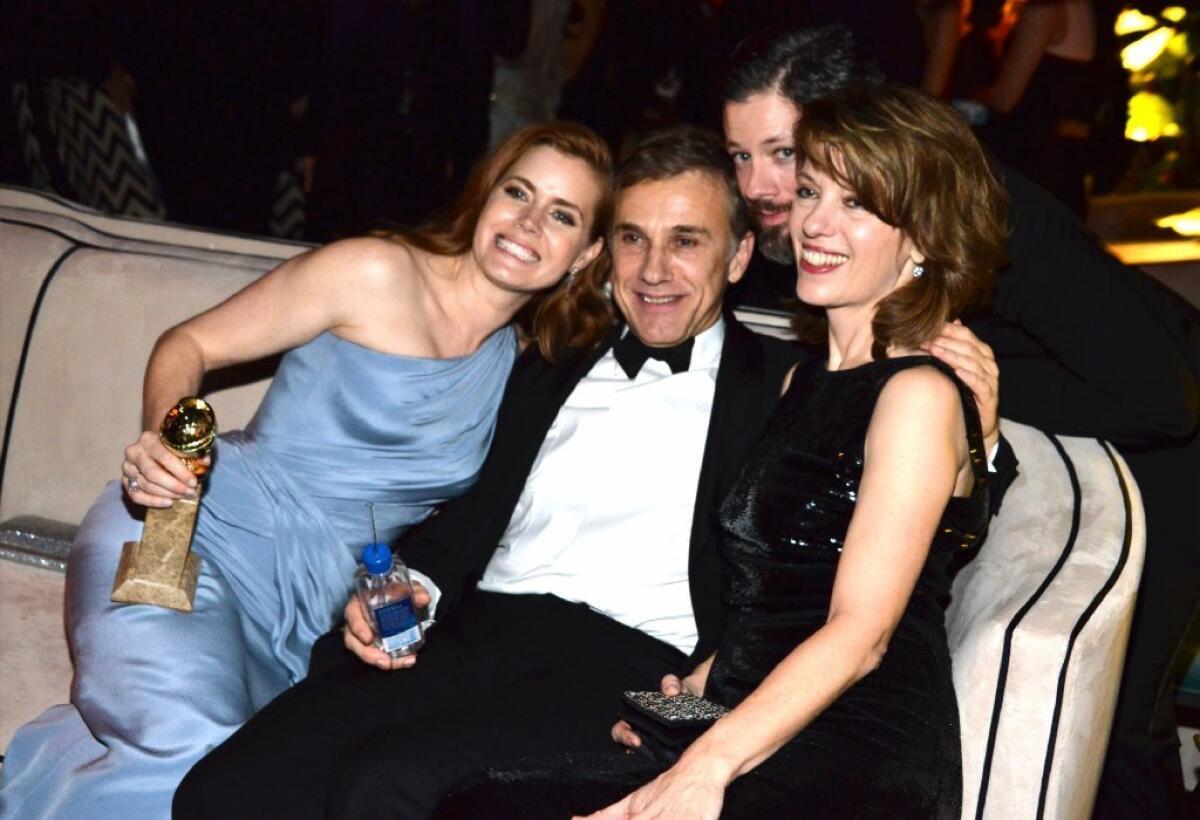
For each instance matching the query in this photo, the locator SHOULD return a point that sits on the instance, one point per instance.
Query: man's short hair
(803, 64)
(669, 152)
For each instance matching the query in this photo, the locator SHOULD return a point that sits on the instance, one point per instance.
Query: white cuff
(991, 469)
(434, 594)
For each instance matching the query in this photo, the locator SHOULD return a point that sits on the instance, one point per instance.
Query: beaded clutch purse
(667, 725)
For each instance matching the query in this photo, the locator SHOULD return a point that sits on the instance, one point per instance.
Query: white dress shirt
(605, 517)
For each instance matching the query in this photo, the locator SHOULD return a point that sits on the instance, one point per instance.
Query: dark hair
(670, 152)
(562, 320)
(803, 64)
(913, 162)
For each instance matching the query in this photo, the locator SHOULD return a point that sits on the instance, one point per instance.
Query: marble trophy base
(161, 569)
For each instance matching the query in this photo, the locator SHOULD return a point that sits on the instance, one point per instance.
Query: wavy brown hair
(574, 315)
(913, 162)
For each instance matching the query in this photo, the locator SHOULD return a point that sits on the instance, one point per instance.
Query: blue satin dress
(282, 519)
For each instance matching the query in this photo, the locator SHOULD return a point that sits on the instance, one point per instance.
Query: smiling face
(673, 255)
(758, 137)
(537, 221)
(846, 257)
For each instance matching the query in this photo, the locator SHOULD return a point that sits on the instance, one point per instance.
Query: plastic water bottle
(385, 590)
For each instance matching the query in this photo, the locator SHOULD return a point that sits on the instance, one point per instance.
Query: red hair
(562, 320)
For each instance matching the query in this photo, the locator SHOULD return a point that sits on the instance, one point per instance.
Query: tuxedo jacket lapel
(537, 399)
(742, 400)
(536, 393)
(455, 545)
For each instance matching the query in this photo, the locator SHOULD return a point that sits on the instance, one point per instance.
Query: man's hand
(671, 686)
(359, 637)
(974, 363)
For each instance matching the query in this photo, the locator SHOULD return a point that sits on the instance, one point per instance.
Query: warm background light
(1174, 13)
(1150, 117)
(1145, 50)
(1184, 224)
(1132, 21)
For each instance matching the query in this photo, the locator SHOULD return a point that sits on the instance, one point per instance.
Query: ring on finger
(133, 484)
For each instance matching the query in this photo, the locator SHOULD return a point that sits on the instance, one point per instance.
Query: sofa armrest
(1038, 627)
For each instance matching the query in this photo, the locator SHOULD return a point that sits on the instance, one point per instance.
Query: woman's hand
(689, 789)
(154, 476)
(975, 363)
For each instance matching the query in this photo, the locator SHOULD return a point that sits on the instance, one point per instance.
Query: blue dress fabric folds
(283, 516)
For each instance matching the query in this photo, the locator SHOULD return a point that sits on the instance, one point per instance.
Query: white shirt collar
(706, 353)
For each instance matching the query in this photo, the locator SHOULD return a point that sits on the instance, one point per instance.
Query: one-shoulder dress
(889, 746)
(282, 518)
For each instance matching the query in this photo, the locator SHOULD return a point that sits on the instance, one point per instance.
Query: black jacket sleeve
(447, 549)
(1081, 347)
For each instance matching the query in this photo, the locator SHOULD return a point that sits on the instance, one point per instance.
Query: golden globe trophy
(161, 569)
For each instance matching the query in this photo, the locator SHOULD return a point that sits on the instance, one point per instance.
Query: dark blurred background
(314, 120)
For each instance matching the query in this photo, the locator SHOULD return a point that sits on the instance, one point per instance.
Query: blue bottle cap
(377, 558)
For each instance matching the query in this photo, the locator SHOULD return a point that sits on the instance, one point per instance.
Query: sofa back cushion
(85, 297)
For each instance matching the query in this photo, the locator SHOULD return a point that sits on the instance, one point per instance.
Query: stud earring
(918, 270)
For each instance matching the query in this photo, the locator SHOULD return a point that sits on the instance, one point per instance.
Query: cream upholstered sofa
(85, 297)
(1039, 620)
(1038, 626)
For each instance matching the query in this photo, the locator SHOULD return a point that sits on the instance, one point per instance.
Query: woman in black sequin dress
(838, 534)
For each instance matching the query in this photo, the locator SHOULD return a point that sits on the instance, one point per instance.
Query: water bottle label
(400, 640)
(396, 619)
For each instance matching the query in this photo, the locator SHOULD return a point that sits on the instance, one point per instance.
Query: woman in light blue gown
(399, 350)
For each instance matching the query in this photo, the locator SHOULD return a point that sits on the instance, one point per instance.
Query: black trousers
(1142, 776)
(503, 677)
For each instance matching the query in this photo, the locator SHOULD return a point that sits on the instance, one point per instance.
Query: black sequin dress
(889, 746)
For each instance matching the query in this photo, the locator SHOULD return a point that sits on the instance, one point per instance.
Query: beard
(774, 242)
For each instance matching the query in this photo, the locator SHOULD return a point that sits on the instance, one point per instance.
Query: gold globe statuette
(161, 569)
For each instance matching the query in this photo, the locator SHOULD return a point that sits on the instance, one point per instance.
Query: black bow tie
(631, 353)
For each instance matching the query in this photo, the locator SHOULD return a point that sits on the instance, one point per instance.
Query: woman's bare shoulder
(368, 262)
(372, 253)
(921, 388)
(917, 406)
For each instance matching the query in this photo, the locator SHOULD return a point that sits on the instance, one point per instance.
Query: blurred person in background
(1043, 92)
(398, 106)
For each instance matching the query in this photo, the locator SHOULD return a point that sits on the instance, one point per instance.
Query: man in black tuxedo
(591, 531)
(1086, 346)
